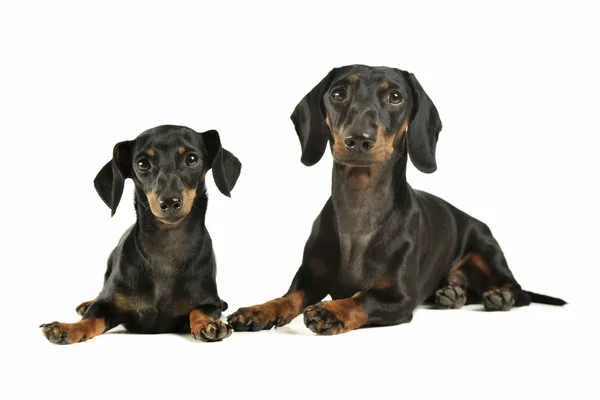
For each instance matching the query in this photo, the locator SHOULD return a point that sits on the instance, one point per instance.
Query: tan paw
(211, 331)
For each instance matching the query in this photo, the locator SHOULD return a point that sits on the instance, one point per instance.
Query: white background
(517, 89)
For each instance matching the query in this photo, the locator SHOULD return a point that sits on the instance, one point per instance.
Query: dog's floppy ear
(110, 180)
(309, 122)
(423, 129)
(225, 166)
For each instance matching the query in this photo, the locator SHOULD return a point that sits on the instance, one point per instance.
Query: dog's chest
(353, 249)
(164, 279)
(166, 266)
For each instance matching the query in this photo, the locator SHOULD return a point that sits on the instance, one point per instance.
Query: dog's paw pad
(450, 296)
(498, 300)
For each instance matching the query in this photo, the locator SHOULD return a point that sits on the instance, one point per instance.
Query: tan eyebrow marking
(181, 150)
(150, 153)
(384, 85)
(352, 79)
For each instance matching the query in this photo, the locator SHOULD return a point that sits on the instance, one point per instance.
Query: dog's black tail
(543, 299)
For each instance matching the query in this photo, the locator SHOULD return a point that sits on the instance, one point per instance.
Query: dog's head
(168, 164)
(367, 113)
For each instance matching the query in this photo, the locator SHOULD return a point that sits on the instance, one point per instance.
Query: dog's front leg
(367, 308)
(305, 289)
(99, 317)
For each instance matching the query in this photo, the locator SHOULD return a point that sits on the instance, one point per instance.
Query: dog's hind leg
(498, 290)
(453, 293)
(82, 308)
(482, 275)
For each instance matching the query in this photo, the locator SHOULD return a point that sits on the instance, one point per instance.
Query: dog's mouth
(351, 160)
(171, 219)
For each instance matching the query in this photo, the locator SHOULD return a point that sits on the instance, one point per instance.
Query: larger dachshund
(379, 247)
(161, 275)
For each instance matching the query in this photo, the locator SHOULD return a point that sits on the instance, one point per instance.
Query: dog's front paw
(323, 321)
(336, 316)
(498, 299)
(255, 318)
(211, 331)
(61, 333)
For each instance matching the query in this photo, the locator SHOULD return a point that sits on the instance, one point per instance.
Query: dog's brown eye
(395, 97)
(339, 94)
(143, 164)
(191, 160)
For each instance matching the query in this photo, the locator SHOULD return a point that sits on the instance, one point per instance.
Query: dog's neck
(364, 197)
(165, 242)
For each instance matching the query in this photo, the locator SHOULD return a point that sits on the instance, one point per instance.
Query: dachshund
(161, 276)
(380, 248)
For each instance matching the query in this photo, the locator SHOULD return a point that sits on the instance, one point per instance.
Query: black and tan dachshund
(161, 276)
(379, 247)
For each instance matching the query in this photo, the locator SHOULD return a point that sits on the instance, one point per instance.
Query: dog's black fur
(380, 248)
(161, 275)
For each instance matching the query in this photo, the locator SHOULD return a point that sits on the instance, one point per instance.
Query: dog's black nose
(169, 204)
(361, 143)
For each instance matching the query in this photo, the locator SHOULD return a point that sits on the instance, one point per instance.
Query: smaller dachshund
(161, 276)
